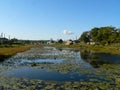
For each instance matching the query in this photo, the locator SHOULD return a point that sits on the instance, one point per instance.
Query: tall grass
(6, 52)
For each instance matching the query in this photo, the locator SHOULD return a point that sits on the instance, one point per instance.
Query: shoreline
(111, 49)
(7, 52)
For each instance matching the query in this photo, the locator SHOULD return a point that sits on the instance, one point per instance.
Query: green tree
(103, 35)
(60, 41)
(85, 37)
(118, 36)
(106, 33)
(94, 34)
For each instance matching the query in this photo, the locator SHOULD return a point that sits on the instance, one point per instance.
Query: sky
(56, 19)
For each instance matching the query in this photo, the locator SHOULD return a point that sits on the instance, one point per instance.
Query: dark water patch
(96, 59)
(3, 57)
(110, 58)
(43, 74)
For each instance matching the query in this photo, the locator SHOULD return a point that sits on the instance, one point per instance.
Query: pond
(43, 74)
(51, 64)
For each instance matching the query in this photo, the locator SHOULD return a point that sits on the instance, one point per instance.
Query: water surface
(49, 63)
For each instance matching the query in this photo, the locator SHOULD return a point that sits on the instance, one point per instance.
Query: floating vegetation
(64, 62)
(16, 83)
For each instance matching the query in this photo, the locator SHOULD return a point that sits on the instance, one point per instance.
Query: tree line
(101, 35)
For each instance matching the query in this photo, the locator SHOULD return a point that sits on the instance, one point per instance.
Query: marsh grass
(112, 49)
(6, 52)
(9, 83)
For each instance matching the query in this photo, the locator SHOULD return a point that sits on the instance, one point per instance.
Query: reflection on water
(43, 74)
(97, 59)
(49, 63)
(41, 61)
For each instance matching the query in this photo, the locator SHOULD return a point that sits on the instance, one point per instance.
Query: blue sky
(45, 19)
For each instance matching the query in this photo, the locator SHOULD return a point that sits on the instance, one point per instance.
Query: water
(49, 63)
(41, 61)
(99, 58)
(113, 59)
(42, 74)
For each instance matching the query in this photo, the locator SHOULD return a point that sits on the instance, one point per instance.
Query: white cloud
(67, 32)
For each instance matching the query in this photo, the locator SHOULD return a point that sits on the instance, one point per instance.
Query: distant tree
(118, 36)
(113, 37)
(85, 37)
(94, 33)
(102, 35)
(106, 32)
(60, 41)
(14, 40)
